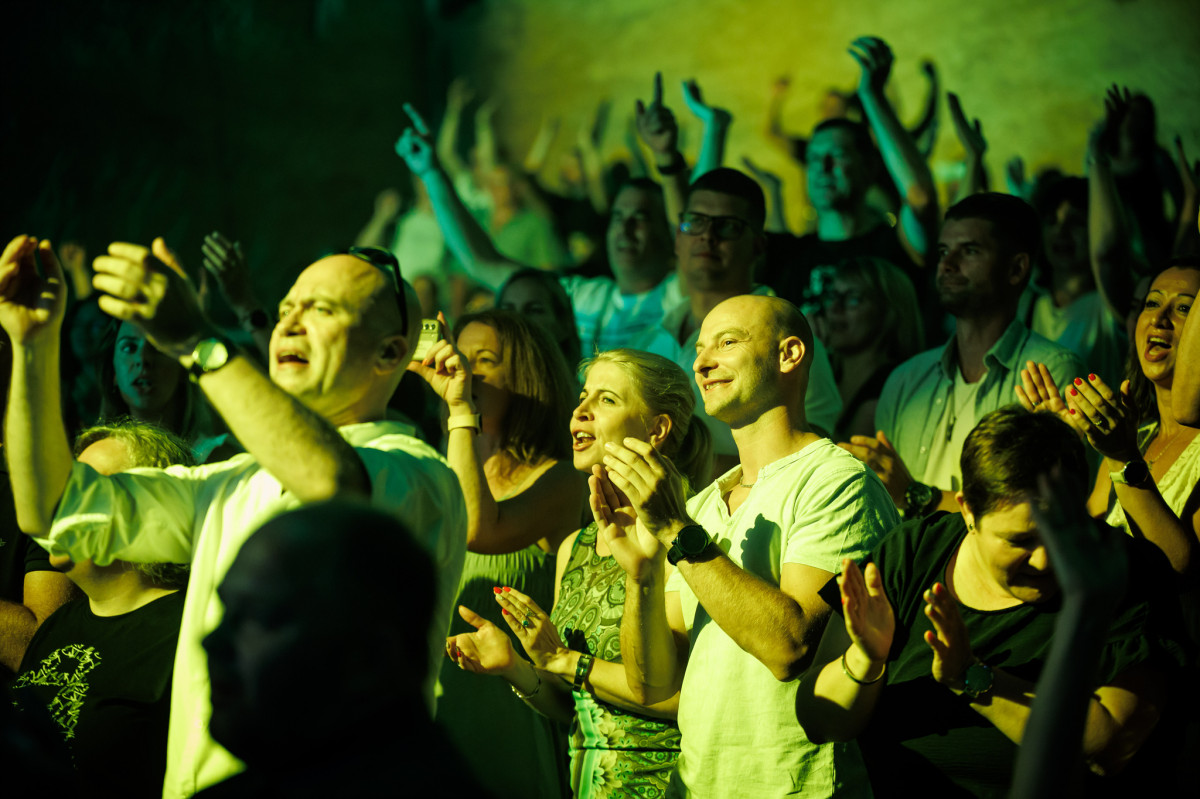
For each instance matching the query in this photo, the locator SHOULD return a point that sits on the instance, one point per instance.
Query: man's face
(1065, 239)
(836, 171)
(971, 276)
(637, 239)
(709, 262)
(321, 352)
(737, 355)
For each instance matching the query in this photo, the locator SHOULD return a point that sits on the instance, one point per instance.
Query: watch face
(1137, 473)
(692, 540)
(978, 679)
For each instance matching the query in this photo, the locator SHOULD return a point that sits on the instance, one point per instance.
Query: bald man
(313, 430)
(751, 553)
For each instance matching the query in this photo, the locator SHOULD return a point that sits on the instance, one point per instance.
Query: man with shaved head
(751, 552)
(313, 430)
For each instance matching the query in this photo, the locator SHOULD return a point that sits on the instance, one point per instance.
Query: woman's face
(853, 315)
(1161, 321)
(146, 379)
(610, 409)
(533, 301)
(480, 345)
(1011, 554)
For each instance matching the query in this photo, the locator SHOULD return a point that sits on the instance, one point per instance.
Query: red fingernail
(1072, 410)
(507, 589)
(1079, 381)
(1091, 377)
(1074, 392)
(505, 612)
(496, 589)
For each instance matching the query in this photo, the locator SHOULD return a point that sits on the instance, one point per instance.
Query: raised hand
(533, 628)
(415, 145)
(695, 103)
(879, 454)
(875, 58)
(970, 133)
(459, 93)
(1108, 420)
(869, 617)
(31, 304)
(488, 650)
(1038, 394)
(652, 483)
(447, 372)
(148, 287)
(1189, 175)
(634, 548)
(1088, 559)
(656, 124)
(948, 638)
(223, 259)
(73, 257)
(1014, 173)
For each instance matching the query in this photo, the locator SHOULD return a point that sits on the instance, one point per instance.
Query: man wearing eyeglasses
(313, 430)
(717, 244)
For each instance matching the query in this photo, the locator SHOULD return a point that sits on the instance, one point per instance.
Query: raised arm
(773, 188)
(716, 123)
(1092, 573)
(1185, 389)
(296, 445)
(1187, 223)
(223, 259)
(773, 130)
(1108, 226)
(35, 438)
(908, 169)
(387, 208)
(457, 96)
(590, 160)
(465, 237)
(925, 132)
(970, 135)
(544, 513)
(657, 128)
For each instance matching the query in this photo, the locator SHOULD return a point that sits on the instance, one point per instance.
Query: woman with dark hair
(945, 632)
(539, 296)
(139, 382)
(508, 396)
(574, 672)
(1148, 482)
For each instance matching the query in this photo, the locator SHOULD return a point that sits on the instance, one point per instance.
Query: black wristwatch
(978, 679)
(689, 544)
(920, 499)
(1135, 473)
(209, 355)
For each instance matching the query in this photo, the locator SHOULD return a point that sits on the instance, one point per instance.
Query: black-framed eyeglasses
(386, 261)
(692, 223)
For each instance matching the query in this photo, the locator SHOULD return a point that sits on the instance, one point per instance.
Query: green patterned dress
(613, 752)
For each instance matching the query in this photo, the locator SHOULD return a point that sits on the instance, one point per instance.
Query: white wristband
(470, 420)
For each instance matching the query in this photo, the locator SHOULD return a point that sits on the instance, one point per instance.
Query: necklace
(746, 485)
(1150, 461)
